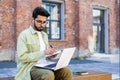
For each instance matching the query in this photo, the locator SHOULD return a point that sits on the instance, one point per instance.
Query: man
(32, 45)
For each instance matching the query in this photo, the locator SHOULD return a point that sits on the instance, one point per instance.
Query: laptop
(63, 61)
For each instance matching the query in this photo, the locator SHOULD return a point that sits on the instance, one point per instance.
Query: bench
(93, 75)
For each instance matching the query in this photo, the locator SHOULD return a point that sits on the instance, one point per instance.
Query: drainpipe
(15, 31)
(118, 25)
(76, 28)
(118, 1)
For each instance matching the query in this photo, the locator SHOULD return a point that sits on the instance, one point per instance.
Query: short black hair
(40, 11)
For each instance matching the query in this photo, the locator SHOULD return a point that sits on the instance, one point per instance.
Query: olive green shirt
(28, 52)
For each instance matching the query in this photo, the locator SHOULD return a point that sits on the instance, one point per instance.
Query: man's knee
(67, 70)
(48, 75)
(64, 74)
(41, 74)
(67, 73)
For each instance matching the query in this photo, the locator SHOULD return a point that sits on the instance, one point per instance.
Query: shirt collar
(32, 30)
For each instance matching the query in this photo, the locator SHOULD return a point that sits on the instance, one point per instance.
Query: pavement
(98, 62)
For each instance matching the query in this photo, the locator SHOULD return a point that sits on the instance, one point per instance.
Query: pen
(51, 46)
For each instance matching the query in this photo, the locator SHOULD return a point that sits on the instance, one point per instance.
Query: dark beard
(37, 28)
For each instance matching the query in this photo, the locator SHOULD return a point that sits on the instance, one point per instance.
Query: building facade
(90, 25)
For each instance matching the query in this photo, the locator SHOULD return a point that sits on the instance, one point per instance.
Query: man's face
(40, 22)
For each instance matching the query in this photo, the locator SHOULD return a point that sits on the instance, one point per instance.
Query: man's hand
(49, 51)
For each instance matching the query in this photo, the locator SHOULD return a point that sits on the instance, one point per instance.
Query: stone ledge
(7, 78)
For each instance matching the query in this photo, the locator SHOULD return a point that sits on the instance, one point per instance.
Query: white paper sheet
(43, 62)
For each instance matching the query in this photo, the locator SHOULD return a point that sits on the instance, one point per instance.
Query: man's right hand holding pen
(50, 51)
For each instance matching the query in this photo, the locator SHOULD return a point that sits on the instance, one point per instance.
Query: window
(99, 30)
(54, 26)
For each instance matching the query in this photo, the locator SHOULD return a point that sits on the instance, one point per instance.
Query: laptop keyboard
(51, 65)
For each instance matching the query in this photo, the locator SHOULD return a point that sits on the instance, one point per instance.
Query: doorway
(99, 29)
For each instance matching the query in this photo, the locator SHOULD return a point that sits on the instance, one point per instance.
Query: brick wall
(15, 16)
(7, 29)
(85, 23)
(118, 24)
(113, 30)
(24, 13)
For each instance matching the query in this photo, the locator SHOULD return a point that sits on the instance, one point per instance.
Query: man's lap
(37, 72)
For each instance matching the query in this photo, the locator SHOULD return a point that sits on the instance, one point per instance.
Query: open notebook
(63, 61)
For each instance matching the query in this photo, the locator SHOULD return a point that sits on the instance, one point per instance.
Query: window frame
(61, 20)
(106, 14)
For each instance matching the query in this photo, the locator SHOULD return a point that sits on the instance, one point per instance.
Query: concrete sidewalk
(98, 62)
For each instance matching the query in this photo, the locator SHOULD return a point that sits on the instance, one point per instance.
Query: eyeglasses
(41, 22)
